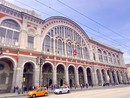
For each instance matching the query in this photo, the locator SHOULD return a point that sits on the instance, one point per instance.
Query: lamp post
(39, 60)
(1, 51)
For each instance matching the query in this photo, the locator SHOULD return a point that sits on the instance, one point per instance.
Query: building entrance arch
(104, 76)
(28, 72)
(89, 76)
(81, 75)
(6, 75)
(47, 74)
(99, 77)
(71, 76)
(61, 74)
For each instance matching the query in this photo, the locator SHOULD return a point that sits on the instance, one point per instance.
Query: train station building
(52, 51)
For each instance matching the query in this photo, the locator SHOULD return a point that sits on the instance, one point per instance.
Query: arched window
(114, 59)
(78, 49)
(85, 53)
(105, 56)
(69, 49)
(100, 55)
(118, 60)
(59, 48)
(110, 57)
(9, 32)
(46, 44)
(64, 40)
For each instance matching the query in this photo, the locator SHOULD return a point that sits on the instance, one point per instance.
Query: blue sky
(113, 14)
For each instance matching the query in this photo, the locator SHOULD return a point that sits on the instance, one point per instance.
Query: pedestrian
(81, 85)
(86, 85)
(16, 89)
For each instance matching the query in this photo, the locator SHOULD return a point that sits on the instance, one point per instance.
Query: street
(122, 92)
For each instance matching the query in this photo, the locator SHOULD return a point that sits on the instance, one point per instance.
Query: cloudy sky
(105, 20)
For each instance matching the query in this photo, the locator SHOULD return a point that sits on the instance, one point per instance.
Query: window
(78, 51)
(11, 24)
(69, 49)
(105, 56)
(114, 59)
(85, 53)
(118, 60)
(100, 55)
(59, 51)
(30, 42)
(64, 40)
(110, 57)
(9, 32)
(46, 44)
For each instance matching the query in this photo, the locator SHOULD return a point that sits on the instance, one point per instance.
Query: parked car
(62, 89)
(41, 91)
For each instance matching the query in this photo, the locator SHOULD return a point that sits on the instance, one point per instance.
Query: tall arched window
(114, 59)
(78, 49)
(118, 60)
(46, 44)
(105, 56)
(59, 48)
(64, 40)
(69, 49)
(110, 57)
(9, 32)
(85, 53)
(100, 55)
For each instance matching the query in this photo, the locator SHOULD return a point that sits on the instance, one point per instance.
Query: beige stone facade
(70, 56)
(128, 70)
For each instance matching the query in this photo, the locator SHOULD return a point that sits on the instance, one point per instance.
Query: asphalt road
(123, 92)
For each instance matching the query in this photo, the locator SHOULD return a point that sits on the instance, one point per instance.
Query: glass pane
(16, 35)
(30, 39)
(11, 24)
(2, 32)
(9, 34)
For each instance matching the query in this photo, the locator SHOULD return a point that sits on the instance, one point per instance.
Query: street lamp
(39, 60)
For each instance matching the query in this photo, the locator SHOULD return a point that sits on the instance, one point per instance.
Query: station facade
(70, 56)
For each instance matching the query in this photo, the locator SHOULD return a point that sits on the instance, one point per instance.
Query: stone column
(94, 77)
(36, 76)
(96, 55)
(124, 78)
(120, 78)
(106, 77)
(67, 76)
(65, 49)
(23, 38)
(37, 43)
(54, 76)
(54, 50)
(101, 75)
(14, 79)
(116, 79)
(85, 76)
(111, 77)
(91, 53)
(19, 77)
(77, 77)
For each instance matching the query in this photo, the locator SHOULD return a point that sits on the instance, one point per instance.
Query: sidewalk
(4, 95)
